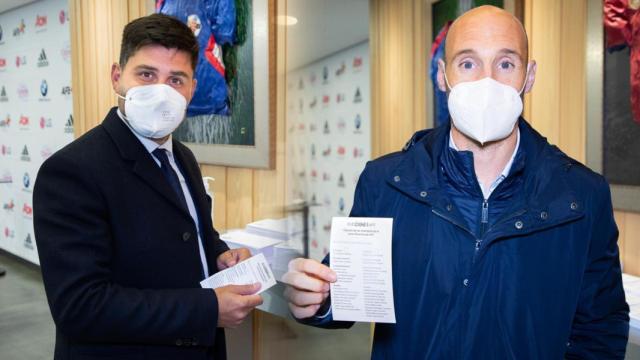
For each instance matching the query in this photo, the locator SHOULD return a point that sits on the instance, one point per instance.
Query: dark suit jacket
(119, 255)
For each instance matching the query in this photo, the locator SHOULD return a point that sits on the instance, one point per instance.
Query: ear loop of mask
(524, 85)
(526, 80)
(444, 71)
(122, 113)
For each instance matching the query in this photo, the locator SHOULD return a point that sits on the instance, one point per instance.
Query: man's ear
(531, 78)
(115, 76)
(194, 85)
(442, 85)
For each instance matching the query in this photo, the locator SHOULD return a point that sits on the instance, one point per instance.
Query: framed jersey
(230, 120)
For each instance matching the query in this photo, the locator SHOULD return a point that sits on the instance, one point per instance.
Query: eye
(176, 81)
(146, 75)
(467, 65)
(506, 65)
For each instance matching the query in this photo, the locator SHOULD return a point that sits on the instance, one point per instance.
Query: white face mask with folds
(154, 111)
(485, 110)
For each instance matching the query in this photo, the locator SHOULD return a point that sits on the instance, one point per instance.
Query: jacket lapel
(142, 163)
(194, 180)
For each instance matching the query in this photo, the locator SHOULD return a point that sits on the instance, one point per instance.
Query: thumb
(248, 289)
(225, 260)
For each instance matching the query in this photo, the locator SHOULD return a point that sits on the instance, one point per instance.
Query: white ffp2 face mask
(154, 111)
(485, 110)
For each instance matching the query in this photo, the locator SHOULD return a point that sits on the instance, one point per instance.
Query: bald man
(503, 246)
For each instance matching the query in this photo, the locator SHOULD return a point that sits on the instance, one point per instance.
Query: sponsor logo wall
(35, 111)
(328, 137)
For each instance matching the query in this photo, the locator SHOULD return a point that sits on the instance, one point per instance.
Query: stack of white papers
(269, 237)
(255, 243)
(276, 229)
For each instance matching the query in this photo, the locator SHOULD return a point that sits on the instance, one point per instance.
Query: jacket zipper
(484, 221)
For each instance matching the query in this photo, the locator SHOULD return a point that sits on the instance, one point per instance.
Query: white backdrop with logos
(35, 111)
(328, 137)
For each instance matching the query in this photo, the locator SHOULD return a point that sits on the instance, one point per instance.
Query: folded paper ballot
(251, 271)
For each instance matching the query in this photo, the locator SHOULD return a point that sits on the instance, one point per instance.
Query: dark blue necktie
(170, 175)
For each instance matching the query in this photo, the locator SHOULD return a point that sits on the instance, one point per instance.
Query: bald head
(487, 42)
(485, 25)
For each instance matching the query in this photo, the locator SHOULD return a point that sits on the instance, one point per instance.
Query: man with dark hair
(122, 220)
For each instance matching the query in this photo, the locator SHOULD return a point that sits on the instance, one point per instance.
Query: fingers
(232, 257)
(308, 288)
(313, 267)
(249, 289)
(237, 317)
(226, 260)
(303, 312)
(303, 281)
(304, 298)
(242, 254)
(252, 301)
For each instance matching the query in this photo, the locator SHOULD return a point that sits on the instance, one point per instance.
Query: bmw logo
(26, 181)
(44, 88)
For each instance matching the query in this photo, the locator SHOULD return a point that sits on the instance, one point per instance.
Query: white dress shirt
(151, 145)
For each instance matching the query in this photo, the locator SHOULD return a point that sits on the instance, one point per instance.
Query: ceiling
(324, 27)
(6, 5)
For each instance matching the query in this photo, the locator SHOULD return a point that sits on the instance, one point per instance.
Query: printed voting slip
(360, 251)
(251, 271)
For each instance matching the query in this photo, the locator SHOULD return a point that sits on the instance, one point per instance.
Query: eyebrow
(507, 51)
(463, 52)
(179, 73)
(504, 51)
(151, 68)
(146, 67)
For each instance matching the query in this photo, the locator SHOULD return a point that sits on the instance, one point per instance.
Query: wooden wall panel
(219, 190)
(398, 39)
(96, 31)
(544, 30)
(239, 197)
(572, 84)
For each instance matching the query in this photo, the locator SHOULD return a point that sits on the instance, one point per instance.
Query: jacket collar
(142, 163)
(458, 171)
(548, 198)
